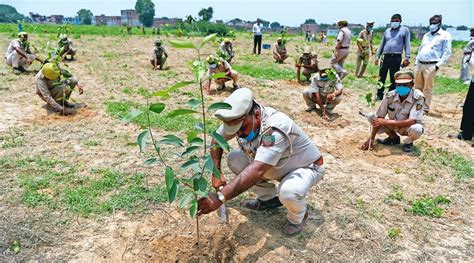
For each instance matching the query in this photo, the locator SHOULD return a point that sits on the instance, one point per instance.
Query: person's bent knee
(237, 161)
(415, 131)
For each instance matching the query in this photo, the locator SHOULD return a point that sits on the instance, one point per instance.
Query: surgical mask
(394, 25)
(434, 27)
(252, 134)
(369, 28)
(213, 66)
(324, 78)
(403, 90)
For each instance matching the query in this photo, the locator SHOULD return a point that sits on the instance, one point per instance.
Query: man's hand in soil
(208, 204)
(367, 144)
(325, 114)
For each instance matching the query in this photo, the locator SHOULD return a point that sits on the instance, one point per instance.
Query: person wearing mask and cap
(272, 148)
(159, 56)
(325, 91)
(65, 47)
(404, 107)
(434, 52)
(364, 49)
(279, 51)
(227, 50)
(395, 39)
(343, 42)
(19, 54)
(309, 62)
(466, 60)
(218, 65)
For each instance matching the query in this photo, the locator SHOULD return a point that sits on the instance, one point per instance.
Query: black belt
(428, 62)
(392, 54)
(343, 47)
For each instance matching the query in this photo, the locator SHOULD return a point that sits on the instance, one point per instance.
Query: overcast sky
(292, 13)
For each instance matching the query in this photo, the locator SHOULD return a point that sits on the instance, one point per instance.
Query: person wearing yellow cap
(364, 49)
(466, 60)
(226, 50)
(343, 42)
(218, 65)
(405, 109)
(159, 56)
(279, 51)
(272, 147)
(309, 62)
(19, 54)
(55, 85)
(65, 47)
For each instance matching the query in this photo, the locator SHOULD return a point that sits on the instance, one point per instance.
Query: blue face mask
(394, 25)
(324, 78)
(252, 134)
(434, 27)
(403, 90)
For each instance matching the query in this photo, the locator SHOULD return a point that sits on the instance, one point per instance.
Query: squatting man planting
(272, 148)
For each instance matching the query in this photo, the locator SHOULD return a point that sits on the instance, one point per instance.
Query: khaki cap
(306, 50)
(241, 101)
(404, 76)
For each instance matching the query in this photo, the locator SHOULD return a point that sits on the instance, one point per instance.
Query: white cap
(241, 101)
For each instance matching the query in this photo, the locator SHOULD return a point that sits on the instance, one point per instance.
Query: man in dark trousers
(395, 39)
(467, 121)
(257, 36)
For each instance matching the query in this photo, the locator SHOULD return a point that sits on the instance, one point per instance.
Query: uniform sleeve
(220, 131)
(16, 43)
(43, 89)
(340, 36)
(227, 65)
(417, 112)
(314, 84)
(383, 108)
(338, 85)
(272, 154)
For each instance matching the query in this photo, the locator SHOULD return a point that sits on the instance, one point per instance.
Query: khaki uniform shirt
(325, 87)
(280, 143)
(224, 66)
(158, 52)
(366, 37)
(410, 108)
(308, 60)
(66, 46)
(43, 86)
(344, 36)
(16, 43)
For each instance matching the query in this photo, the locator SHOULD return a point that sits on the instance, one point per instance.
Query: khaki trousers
(424, 81)
(16, 60)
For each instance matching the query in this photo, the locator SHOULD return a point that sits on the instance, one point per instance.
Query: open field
(76, 189)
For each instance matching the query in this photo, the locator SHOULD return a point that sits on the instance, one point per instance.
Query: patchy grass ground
(76, 189)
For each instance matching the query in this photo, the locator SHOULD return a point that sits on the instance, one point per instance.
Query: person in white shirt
(434, 52)
(465, 63)
(257, 36)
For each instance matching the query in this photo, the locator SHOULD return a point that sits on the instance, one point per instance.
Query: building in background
(313, 28)
(71, 20)
(130, 17)
(37, 18)
(157, 22)
(104, 20)
(55, 19)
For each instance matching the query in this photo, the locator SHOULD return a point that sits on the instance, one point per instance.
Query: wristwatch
(220, 195)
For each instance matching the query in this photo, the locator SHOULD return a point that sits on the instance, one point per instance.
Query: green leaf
(191, 135)
(202, 184)
(216, 173)
(219, 75)
(193, 208)
(169, 178)
(16, 246)
(219, 106)
(206, 40)
(196, 184)
(142, 139)
(196, 141)
(131, 115)
(194, 103)
(172, 140)
(221, 141)
(193, 163)
(201, 193)
(161, 93)
(157, 107)
(150, 161)
(179, 85)
(182, 44)
(179, 112)
(185, 200)
(173, 192)
(190, 150)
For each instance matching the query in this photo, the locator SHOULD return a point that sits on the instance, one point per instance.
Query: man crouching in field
(272, 148)
(19, 54)
(54, 86)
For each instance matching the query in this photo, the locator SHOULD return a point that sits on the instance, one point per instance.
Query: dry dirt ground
(351, 214)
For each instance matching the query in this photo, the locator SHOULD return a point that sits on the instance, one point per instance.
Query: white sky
(292, 13)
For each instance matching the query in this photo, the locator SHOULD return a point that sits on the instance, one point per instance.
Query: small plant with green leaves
(393, 233)
(428, 206)
(190, 163)
(396, 194)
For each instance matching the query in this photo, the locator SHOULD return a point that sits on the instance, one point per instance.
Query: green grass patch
(396, 194)
(428, 206)
(256, 68)
(393, 233)
(448, 85)
(180, 123)
(15, 138)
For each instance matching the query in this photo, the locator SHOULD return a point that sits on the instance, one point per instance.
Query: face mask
(213, 66)
(394, 25)
(252, 134)
(403, 90)
(434, 27)
(324, 78)
(369, 28)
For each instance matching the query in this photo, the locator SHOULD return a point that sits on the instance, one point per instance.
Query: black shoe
(259, 205)
(221, 87)
(407, 147)
(16, 71)
(389, 141)
(461, 136)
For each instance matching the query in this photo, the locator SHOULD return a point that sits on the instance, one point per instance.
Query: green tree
(8, 14)
(275, 25)
(206, 14)
(310, 21)
(146, 11)
(85, 15)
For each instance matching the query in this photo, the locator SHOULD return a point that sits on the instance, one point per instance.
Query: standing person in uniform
(404, 107)
(272, 147)
(364, 49)
(227, 50)
(434, 52)
(279, 51)
(467, 121)
(325, 91)
(19, 54)
(309, 62)
(55, 85)
(218, 65)
(65, 46)
(159, 56)
(395, 39)
(343, 42)
(466, 60)
(257, 30)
